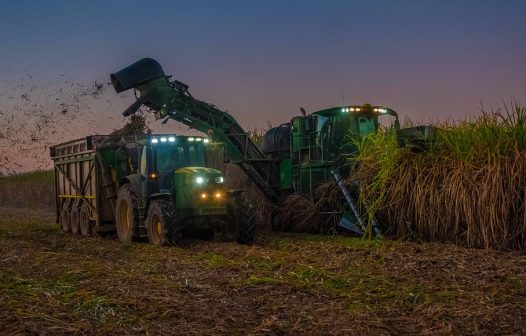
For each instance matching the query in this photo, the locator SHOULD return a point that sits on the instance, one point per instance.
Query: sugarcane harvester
(295, 157)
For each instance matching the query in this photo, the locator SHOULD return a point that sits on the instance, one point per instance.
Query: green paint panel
(285, 169)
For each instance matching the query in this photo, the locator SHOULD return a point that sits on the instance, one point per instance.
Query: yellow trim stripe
(76, 196)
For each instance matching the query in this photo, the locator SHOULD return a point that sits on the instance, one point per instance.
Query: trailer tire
(85, 222)
(65, 223)
(162, 224)
(243, 214)
(74, 216)
(127, 215)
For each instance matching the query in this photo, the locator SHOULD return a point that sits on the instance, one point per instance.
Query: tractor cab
(176, 165)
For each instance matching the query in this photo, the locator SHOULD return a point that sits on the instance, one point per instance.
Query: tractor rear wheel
(243, 214)
(74, 219)
(85, 222)
(65, 223)
(127, 215)
(162, 224)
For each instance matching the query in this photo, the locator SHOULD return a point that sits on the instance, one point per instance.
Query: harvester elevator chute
(170, 98)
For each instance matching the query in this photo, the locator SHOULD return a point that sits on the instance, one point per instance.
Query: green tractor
(175, 193)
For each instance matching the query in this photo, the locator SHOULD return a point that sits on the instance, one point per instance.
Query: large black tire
(74, 216)
(127, 215)
(84, 221)
(65, 223)
(243, 214)
(162, 224)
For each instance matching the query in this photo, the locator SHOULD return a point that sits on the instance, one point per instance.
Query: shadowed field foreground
(53, 283)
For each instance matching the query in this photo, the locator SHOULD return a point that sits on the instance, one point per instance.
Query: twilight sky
(262, 60)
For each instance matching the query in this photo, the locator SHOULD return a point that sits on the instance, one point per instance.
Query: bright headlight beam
(199, 180)
(206, 141)
(171, 139)
(154, 141)
(191, 139)
(163, 139)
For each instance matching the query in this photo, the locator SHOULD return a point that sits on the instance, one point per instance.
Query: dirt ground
(53, 283)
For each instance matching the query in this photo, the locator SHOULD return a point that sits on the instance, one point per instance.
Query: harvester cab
(311, 146)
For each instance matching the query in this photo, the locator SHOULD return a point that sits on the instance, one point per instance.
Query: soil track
(54, 283)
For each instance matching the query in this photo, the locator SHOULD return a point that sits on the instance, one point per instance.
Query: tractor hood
(198, 177)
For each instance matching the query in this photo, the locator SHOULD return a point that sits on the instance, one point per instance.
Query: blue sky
(262, 60)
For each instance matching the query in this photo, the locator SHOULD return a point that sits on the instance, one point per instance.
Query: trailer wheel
(162, 224)
(85, 222)
(242, 212)
(74, 219)
(65, 224)
(127, 215)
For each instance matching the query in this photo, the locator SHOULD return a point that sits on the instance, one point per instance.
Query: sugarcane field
(277, 168)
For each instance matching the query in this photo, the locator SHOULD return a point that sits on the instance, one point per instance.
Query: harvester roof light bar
(163, 139)
(206, 141)
(357, 109)
(191, 139)
(171, 139)
(154, 141)
(198, 139)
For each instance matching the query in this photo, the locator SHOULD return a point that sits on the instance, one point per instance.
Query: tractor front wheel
(127, 215)
(162, 224)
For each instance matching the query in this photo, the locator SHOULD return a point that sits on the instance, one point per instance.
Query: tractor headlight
(219, 179)
(199, 180)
